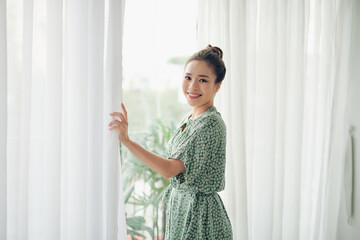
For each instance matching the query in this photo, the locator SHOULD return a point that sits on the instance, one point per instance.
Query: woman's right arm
(166, 167)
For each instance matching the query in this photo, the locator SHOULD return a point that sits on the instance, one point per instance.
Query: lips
(193, 95)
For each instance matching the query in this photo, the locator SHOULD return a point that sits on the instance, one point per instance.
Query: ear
(218, 85)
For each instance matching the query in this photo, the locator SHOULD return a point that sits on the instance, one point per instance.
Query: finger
(117, 122)
(113, 127)
(115, 114)
(122, 117)
(124, 110)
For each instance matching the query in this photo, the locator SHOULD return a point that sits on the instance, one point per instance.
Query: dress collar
(207, 112)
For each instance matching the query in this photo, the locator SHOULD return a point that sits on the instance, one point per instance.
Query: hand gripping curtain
(283, 101)
(60, 76)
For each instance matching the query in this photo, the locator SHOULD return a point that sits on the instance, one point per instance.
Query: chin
(191, 103)
(194, 104)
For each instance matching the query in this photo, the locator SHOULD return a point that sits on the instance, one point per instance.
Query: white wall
(346, 231)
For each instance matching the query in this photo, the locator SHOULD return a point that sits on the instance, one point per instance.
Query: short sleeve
(206, 169)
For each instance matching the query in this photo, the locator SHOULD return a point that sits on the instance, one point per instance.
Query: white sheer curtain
(3, 119)
(283, 101)
(60, 165)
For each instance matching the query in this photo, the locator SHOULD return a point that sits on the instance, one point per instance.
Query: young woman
(196, 155)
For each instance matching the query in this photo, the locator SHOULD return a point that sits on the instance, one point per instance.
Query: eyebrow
(198, 75)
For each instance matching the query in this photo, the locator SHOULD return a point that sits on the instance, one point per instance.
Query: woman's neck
(197, 111)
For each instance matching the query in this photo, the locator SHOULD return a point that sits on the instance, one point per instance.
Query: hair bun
(215, 50)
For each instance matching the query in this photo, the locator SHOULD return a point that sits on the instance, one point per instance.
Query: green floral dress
(194, 209)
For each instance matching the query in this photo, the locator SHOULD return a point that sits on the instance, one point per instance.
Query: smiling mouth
(193, 95)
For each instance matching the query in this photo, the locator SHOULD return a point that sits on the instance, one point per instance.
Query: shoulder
(212, 123)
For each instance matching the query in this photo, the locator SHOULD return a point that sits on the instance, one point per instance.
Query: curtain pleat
(283, 101)
(75, 109)
(293, 118)
(95, 88)
(115, 208)
(20, 192)
(63, 175)
(53, 120)
(3, 119)
(347, 14)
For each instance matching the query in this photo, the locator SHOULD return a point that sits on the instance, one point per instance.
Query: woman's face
(199, 85)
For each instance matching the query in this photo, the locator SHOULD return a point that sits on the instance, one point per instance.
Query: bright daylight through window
(159, 36)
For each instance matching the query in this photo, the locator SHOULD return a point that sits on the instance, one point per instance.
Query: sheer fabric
(60, 165)
(283, 101)
(3, 119)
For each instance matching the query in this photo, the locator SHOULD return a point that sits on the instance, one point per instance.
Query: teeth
(194, 95)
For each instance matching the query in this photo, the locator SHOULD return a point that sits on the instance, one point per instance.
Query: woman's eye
(187, 78)
(203, 80)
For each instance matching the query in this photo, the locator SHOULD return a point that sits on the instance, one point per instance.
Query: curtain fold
(283, 101)
(3, 119)
(63, 175)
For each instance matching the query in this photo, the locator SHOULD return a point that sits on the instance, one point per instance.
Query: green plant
(155, 140)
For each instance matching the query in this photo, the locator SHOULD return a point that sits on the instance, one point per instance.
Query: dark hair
(212, 56)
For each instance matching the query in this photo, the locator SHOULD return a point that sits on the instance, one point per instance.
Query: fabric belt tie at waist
(184, 188)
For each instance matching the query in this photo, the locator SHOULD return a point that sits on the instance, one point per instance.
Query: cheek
(184, 86)
(210, 91)
(207, 90)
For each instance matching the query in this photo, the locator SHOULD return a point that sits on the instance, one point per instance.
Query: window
(159, 36)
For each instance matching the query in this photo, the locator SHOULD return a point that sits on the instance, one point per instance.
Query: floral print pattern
(195, 210)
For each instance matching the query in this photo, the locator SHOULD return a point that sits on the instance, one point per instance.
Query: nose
(193, 85)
